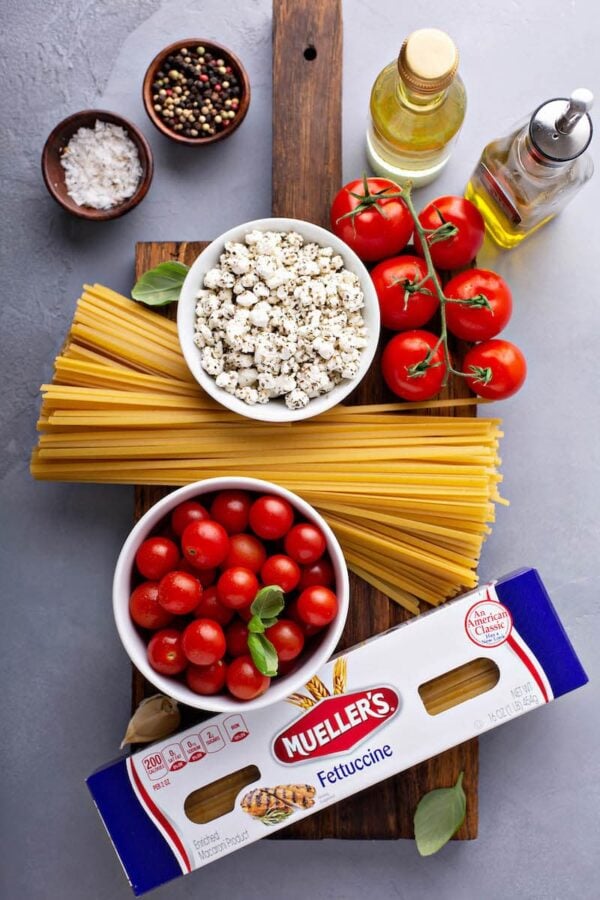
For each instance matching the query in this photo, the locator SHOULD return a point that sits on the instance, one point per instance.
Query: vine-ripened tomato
(205, 544)
(236, 637)
(244, 680)
(165, 652)
(496, 369)
(317, 605)
(281, 570)
(203, 642)
(187, 512)
(371, 218)
(320, 572)
(247, 551)
(305, 543)
(210, 607)
(287, 638)
(179, 592)
(237, 587)
(406, 368)
(402, 305)
(271, 517)
(206, 679)
(144, 608)
(155, 557)
(463, 246)
(489, 309)
(231, 510)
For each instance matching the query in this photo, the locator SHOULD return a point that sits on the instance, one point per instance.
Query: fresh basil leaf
(263, 654)
(161, 285)
(268, 603)
(256, 625)
(267, 623)
(439, 815)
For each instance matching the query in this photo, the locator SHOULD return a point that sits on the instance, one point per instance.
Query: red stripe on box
(530, 665)
(156, 813)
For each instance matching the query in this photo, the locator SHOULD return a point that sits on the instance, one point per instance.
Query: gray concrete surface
(65, 678)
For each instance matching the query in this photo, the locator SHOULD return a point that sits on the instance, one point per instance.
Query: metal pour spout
(580, 103)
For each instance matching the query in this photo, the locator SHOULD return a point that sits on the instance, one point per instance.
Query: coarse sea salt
(102, 166)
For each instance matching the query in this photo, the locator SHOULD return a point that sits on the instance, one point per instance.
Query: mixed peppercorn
(196, 93)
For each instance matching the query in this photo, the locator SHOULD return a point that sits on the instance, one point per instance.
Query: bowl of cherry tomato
(229, 593)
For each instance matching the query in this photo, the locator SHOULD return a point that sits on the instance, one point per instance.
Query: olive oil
(417, 108)
(525, 179)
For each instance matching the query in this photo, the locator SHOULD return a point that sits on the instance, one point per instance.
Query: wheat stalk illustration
(320, 691)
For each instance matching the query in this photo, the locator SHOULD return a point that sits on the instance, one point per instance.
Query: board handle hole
(310, 53)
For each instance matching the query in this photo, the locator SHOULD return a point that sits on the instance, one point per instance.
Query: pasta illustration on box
(486, 657)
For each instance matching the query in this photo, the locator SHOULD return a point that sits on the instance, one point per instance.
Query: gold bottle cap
(428, 61)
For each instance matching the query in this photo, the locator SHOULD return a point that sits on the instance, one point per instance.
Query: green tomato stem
(433, 276)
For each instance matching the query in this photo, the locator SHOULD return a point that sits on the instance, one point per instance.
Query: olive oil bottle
(418, 105)
(525, 179)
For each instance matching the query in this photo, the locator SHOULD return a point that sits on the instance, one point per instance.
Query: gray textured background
(66, 679)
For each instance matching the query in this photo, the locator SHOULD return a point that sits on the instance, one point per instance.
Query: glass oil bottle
(418, 105)
(525, 179)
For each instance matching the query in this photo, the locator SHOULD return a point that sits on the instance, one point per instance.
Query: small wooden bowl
(221, 53)
(54, 174)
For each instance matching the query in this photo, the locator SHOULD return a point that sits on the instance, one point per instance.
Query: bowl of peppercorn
(196, 92)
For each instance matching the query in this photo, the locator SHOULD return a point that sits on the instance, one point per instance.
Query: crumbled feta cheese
(279, 317)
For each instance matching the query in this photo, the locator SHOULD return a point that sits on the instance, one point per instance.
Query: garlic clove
(156, 717)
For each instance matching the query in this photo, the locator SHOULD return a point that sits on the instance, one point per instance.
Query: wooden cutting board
(307, 171)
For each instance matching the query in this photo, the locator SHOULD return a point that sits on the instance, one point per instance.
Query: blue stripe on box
(145, 855)
(536, 620)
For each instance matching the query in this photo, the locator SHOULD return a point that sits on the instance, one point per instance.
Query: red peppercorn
(204, 77)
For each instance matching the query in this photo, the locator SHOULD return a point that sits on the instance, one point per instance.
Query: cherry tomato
(244, 680)
(305, 543)
(210, 607)
(206, 679)
(205, 544)
(165, 652)
(371, 218)
(401, 304)
(179, 592)
(320, 572)
(461, 247)
(287, 638)
(317, 606)
(155, 557)
(236, 637)
(405, 369)
(187, 512)
(203, 642)
(478, 321)
(282, 571)
(271, 517)
(498, 369)
(237, 587)
(206, 577)
(247, 551)
(144, 608)
(291, 611)
(285, 667)
(231, 509)
(245, 613)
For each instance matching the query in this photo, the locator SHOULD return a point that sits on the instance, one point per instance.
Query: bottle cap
(428, 60)
(561, 129)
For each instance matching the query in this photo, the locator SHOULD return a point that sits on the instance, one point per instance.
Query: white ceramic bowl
(275, 410)
(135, 645)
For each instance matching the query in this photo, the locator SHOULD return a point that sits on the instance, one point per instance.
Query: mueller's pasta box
(433, 682)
